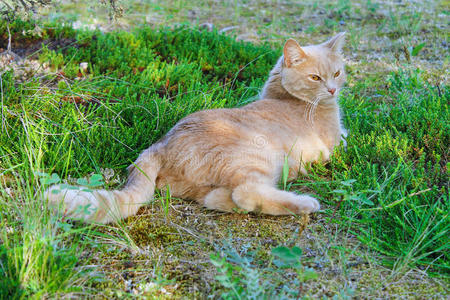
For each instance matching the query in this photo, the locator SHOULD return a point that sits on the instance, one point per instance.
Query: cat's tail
(107, 206)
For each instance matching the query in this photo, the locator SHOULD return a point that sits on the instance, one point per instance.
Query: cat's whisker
(313, 110)
(308, 112)
(310, 109)
(311, 114)
(308, 104)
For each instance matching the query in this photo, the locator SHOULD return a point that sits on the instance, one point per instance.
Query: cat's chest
(313, 144)
(309, 148)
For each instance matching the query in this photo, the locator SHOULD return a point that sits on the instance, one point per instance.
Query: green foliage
(415, 50)
(399, 25)
(289, 257)
(372, 7)
(285, 172)
(392, 180)
(39, 253)
(245, 277)
(83, 185)
(165, 203)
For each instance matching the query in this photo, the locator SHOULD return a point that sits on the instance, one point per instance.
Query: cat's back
(227, 124)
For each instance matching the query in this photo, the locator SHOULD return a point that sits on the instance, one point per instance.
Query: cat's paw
(306, 204)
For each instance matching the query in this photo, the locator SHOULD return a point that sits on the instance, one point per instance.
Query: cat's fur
(233, 158)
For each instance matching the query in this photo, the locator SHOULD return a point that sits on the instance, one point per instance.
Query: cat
(233, 158)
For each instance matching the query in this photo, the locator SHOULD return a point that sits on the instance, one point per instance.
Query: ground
(383, 228)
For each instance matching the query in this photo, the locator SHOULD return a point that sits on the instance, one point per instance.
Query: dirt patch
(29, 48)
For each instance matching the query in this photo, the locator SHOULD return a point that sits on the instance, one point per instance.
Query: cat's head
(313, 73)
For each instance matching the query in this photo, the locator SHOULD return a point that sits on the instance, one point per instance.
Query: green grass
(396, 155)
(385, 195)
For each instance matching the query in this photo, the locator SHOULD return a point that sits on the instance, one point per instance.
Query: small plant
(371, 6)
(404, 24)
(227, 277)
(291, 258)
(243, 277)
(84, 185)
(414, 50)
(343, 8)
(165, 203)
(354, 36)
(359, 198)
(285, 172)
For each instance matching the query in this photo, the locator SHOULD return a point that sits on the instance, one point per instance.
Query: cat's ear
(293, 53)
(336, 42)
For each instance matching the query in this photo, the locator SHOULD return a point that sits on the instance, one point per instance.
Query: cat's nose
(332, 91)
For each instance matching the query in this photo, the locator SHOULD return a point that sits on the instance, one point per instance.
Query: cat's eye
(337, 74)
(315, 77)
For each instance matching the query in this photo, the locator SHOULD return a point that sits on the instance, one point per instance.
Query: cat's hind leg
(264, 198)
(220, 199)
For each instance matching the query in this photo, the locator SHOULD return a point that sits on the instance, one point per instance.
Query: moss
(182, 242)
(147, 231)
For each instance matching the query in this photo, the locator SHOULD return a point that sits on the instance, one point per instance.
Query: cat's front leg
(264, 198)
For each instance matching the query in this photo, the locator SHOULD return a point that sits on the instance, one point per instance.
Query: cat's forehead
(323, 60)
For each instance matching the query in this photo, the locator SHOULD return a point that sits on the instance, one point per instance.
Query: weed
(244, 277)
(165, 202)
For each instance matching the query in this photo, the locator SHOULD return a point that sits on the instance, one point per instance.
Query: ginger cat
(233, 158)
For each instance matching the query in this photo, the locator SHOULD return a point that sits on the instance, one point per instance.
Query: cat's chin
(328, 100)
